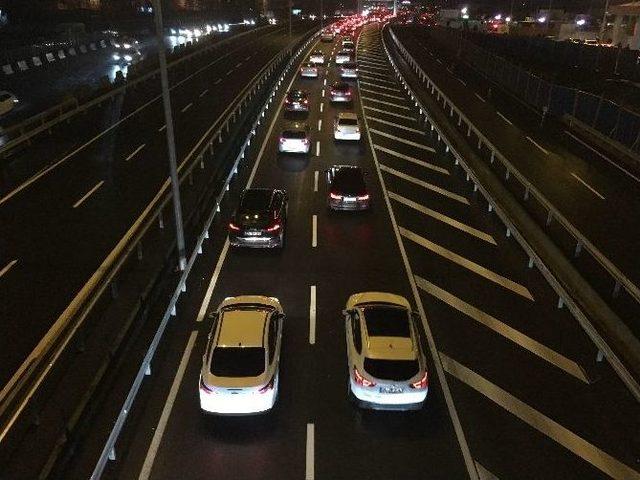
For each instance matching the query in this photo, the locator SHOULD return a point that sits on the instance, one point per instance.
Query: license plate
(349, 199)
(391, 389)
(253, 234)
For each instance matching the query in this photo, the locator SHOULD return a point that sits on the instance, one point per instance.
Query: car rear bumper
(309, 74)
(296, 108)
(350, 206)
(373, 399)
(348, 75)
(255, 242)
(288, 148)
(340, 98)
(346, 136)
(240, 404)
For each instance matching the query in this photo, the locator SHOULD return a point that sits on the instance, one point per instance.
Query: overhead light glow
(581, 22)
(542, 19)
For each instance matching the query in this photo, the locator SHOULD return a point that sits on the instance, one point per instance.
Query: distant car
(346, 126)
(309, 70)
(241, 364)
(346, 40)
(387, 368)
(295, 138)
(347, 188)
(348, 70)
(260, 219)
(296, 101)
(348, 47)
(341, 92)
(327, 37)
(316, 57)
(8, 102)
(127, 57)
(343, 56)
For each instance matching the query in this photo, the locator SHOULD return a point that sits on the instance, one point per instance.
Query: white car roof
(242, 327)
(347, 116)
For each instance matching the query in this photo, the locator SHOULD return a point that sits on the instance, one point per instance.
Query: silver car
(309, 70)
(346, 127)
(295, 138)
(343, 56)
(316, 57)
(348, 70)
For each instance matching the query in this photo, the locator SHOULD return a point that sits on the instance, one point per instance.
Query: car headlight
(117, 45)
(116, 56)
(127, 46)
(128, 58)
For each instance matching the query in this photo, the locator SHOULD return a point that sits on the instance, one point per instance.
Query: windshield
(253, 200)
(237, 361)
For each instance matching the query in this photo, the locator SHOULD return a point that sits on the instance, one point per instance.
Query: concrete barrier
(22, 65)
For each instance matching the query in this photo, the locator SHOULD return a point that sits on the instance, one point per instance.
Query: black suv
(347, 188)
(260, 219)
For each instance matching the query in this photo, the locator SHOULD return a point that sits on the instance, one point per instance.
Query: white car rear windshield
(396, 370)
(238, 361)
(348, 121)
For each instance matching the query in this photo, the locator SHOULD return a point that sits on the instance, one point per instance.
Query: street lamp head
(542, 19)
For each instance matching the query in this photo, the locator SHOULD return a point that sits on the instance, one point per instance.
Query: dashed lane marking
(238, 64)
(396, 125)
(423, 184)
(312, 315)
(386, 112)
(319, 124)
(321, 107)
(537, 420)
(318, 148)
(88, 194)
(316, 175)
(8, 267)
(314, 231)
(367, 90)
(415, 161)
(466, 263)
(135, 152)
(542, 351)
(228, 73)
(443, 218)
(309, 473)
(384, 103)
(402, 140)
(593, 190)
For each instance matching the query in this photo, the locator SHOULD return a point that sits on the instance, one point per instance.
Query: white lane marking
(238, 64)
(380, 79)
(135, 152)
(470, 265)
(485, 474)
(444, 385)
(204, 92)
(368, 67)
(383, 102)
(214, 280)
(415, 161)
(145, 473)
(88, 194)
(386, 112)
(309, 473)
(402, 140)
(8, 267)
(316, 175)
(320, 125)
(247, 58)
(318, 148)
(312, 315)
(439, 61)
(637, 179)
(481, 99)
(368, 90)
(314, 231)
(371, 61)
(423, 184)
(217, 81)
(321, 107)
(462, 82)
(537, 420)
(504, 118)
(593, 190)
(534, 142)
(228, 73)
(443, 218)
(323, 92)
(324, 82)
(380, 86)
(396, 125)
(542, 351)
(187, 107)
(163, 127)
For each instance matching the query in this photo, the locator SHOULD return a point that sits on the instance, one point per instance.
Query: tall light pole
(171, 142)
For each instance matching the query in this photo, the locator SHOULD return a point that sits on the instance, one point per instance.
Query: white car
(346, 126)
(327, 36)
(387, 368)
(7, 102)
(348, 46)
(240, 366)
(343, 57)
(295, 138)
(316, 57)
(348, 70)
(309, 70)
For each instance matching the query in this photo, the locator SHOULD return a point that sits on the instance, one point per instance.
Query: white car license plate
(252, 234)
(391, 389)
(349, 199)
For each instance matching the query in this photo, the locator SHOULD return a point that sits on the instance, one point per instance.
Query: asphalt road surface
(513, 379)
(97, 180)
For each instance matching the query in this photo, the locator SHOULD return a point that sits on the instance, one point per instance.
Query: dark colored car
(347, 188)
(260, 219)
(297, 101)
(341, 92)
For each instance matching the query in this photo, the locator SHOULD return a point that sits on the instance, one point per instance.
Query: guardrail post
(599, 356)
(479, 143)
(493, 156)
(530, 262)
(526, 193)
(220, 137)
(549, 218)
(112, 454)
(147, 370)
(506, 174)
(578, 249)
(616, 290)
(560, 302)
(114, 289)
(201, 162)
(490, 208)
(160, 221)
(469, 130)
(508, 232)
(139, 250)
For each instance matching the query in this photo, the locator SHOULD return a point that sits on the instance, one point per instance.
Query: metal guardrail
(42, 122)
(17, 393)
(581, 241)
(108, 451)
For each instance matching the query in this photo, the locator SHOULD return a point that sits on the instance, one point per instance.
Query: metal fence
(609, 118)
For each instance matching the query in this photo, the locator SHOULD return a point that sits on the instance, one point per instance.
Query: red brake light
(233, 226)
(305, 101)
(363, 197)
(268, 386)
(360, 380)
(422, 383)
(274, 227)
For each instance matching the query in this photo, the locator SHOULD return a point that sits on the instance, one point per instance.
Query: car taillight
(348, 93)
(305, 141)
(268, 386)
(363, 197)
(305, 101)
(282, 139)
(205, 387)
(360, 380)
(335, 196)
(422, 383)
(233, 226)
(274, 227)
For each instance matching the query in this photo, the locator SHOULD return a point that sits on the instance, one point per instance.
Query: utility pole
(171, 142)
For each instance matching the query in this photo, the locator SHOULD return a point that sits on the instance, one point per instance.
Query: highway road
(586, 185)
(97, 177)
(514, 389)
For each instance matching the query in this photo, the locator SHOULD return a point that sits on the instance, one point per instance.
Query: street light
(542, 19)
(581, 22)
(498, 17)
